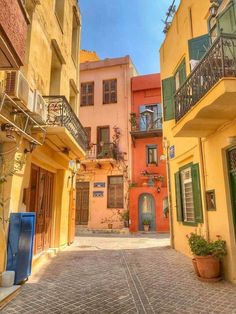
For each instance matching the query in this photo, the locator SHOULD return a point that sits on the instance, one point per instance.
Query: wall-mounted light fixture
(32, 146)
(158, 190)
(213, 8)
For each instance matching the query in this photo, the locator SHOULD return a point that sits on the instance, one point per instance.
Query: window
(59, 12)
(55, 78)
(75, 38)
(150, 117)
(109, 91)
(180, 75)
(87, 94)
(115, 192)
(188, 194)
(151, 151)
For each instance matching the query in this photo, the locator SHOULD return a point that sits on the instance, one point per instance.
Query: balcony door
(150, 117)
(103, 139)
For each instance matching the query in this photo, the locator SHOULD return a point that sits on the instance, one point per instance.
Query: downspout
(203, 176)
(168, 173)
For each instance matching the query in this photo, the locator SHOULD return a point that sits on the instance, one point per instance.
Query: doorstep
(42, 258)
(7, 294)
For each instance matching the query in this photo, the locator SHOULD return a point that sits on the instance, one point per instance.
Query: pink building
(104, 176)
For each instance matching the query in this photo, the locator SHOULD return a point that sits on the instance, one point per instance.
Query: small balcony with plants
(146, 124)
(206, 100)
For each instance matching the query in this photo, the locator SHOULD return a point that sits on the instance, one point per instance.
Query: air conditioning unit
(17, 87)
(40, 107)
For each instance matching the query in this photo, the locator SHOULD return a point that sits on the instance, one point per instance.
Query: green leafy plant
(125, 215)
(201, 247)
(146, 222)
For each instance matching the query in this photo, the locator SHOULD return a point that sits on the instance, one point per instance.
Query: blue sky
(115, 28)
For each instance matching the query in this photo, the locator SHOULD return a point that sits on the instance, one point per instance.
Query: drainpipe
(203, 176)
(168, 173)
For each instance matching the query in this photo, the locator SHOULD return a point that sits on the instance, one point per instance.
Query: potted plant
(125, 218)
(208, 255)
(146, 224)
(133, 121)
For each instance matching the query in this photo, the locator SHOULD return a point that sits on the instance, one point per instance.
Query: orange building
(148, 202)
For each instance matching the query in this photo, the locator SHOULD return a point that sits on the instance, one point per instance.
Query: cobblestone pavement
(121, 274)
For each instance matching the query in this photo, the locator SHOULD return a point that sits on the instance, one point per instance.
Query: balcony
(64, 130)
(207, 99)
(145, 125)
(13, 33)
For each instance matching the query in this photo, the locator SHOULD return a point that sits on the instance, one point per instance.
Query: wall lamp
(32, 146)
(213, 8)
(158, 190)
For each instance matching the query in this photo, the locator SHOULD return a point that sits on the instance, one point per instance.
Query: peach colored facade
(147, 132)
(95, 168)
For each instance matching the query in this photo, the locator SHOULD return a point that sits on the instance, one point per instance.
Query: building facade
(148, 200)
(198, 83)
(42, 138)
(103, 178)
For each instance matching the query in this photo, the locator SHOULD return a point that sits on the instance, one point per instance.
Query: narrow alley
(103, 273)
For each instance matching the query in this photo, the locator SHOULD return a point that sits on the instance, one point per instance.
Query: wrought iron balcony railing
(60, 113)
(145, 122)
(103, 151)
(218, 62)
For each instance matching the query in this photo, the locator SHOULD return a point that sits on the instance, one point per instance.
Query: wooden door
(71, 229)
(82, 203)
(40, 201)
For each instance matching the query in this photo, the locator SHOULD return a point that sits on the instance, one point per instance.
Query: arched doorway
(146, 206)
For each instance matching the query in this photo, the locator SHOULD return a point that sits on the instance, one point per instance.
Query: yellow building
(43, 139)
(199, 85)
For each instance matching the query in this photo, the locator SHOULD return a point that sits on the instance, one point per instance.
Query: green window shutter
(182, 72)
(178, 197)
(198, 46)
(168, 98)
(226, 21)
(197, 196)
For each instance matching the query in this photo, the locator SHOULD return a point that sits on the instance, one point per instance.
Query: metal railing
(145, 122)
(102, 151)
(60, 113)
(218, 62)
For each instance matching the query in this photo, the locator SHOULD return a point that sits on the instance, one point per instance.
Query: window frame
(60, 20)
(148, 147)
(198, 212)
(109, 92)
(86, 94)
(108, 191)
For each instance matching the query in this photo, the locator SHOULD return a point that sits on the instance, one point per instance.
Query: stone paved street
(121, 274)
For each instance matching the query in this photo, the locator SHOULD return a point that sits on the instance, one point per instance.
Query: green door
(232, 175)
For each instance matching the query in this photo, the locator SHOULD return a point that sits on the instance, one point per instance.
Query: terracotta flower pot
(110, 226)
(146, 228)
(208, 266)
(194, 262)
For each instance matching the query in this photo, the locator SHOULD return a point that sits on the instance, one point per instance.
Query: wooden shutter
(198, 46)
(178, 197)
(182, 72)
(197, 196)
(226, 21)
(115, 192)
(168, 98)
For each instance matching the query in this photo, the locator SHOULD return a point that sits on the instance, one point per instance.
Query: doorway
(40, 202)
(82, 203)
(147, 211)
(232, 179)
